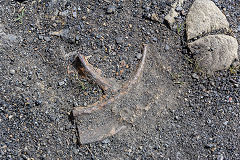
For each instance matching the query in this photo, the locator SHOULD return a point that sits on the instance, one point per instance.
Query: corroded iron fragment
(95, 75)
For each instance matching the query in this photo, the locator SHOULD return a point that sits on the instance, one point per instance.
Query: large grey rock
(214, 52)
(203, 17)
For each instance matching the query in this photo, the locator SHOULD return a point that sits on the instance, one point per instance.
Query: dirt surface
(194, 117)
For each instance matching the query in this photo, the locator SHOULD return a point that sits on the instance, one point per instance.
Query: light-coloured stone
(170, 17)
(214, 52)
(203, 17)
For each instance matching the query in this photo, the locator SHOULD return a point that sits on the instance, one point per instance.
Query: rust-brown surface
(94, 74)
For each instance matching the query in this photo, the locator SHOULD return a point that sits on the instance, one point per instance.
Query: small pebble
(105, 141)
(195, 76)
(154, 39)
(24, 83)
(210, 145)
(212, 83)
(209, 121)
(12, 71)
(179, 9)
(75, 151)
(119, 40)
(75, 104)
(183, 13)
(61, 83)
(64, 13)
(111, 9)
(38, 102)
(220, 157)
(74, 14)
(236, 85)
(47, 39)
(154, 17)
(167, 47)
(235, 64)
(225, 123)
(54, 24)
(185, 51)
(40, 37)
(24, 157)
(77, 38)
(238, 28)
(146, 8)
(68, 126)
(177, 118)
(139, 56)
(113, 53)
(191, 104)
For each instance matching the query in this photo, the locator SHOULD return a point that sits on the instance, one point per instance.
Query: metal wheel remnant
(108, 128)
(148, 88)
(105, 83)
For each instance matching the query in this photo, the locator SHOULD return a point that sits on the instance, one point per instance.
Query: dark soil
(39, 87)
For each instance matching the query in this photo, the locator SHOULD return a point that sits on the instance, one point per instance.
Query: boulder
(214, 52)
(204, 17)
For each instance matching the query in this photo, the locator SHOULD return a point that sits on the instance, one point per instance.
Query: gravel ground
(39, 86)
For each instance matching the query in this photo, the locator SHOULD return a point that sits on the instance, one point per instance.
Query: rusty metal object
(106, 83)
(97, 121)
(96, 75)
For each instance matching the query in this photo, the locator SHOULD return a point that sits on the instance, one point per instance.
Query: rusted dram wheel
(96, 121)
(106, 83)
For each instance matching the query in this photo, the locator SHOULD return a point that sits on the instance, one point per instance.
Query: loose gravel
(39, 87)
